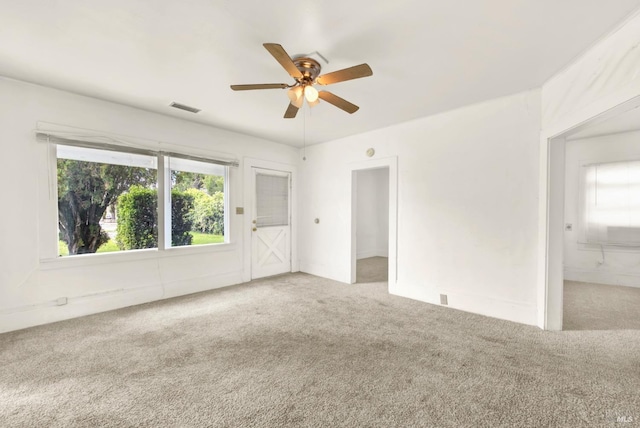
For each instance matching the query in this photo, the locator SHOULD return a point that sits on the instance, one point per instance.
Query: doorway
(584, 256)
(601, 255)
(372, 224)
(271, 223)
(374, 221)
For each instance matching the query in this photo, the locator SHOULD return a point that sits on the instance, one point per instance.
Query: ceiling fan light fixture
(313, 103)
(311, 94)
(295, 95)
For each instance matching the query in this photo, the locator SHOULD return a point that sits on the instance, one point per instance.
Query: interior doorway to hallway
(372, 224)
(389, 167)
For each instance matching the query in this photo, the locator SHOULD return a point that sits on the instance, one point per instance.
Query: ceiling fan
(306, 72)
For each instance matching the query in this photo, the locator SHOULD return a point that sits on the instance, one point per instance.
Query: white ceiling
(427, 56)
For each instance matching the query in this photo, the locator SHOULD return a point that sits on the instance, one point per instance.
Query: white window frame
(49, 257)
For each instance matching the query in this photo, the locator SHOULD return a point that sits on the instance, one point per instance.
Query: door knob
(255, 228)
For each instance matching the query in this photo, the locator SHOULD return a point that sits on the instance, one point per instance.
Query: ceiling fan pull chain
(304, 135)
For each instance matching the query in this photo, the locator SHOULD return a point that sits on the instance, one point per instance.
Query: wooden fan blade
(284, 59)
(259, 86)
(338, 102)
(291, 112)
(355, 72)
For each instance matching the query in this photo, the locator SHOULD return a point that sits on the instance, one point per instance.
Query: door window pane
(272, 200)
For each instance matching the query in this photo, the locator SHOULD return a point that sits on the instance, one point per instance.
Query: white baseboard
(597, 276)
(48, 312)
(509, 310)
(366, 254)
(380, 252)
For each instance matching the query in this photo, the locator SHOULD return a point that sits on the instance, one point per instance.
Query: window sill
(197, 249)
(610, 247)
(131, 256)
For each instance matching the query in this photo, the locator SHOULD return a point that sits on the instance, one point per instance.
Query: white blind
(111, 144)
(189, 165)
(272, 200)
(106, 156)
(612, 203)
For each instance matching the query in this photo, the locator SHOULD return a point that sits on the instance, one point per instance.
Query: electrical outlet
(62, 301)
(443, 299)
(568, 227)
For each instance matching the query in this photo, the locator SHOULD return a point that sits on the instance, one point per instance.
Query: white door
(271, 225)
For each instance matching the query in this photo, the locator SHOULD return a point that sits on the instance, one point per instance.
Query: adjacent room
(602, 221)
(266, 214)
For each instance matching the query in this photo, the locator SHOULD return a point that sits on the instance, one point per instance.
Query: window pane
(272, 200)
(107, 201)
(197, 202)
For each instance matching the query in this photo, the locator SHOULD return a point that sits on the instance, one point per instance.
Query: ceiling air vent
(184, 107)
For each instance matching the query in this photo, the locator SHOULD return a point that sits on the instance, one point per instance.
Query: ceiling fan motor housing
(310, 69)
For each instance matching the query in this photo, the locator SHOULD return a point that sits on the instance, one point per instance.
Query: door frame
(249, 188)
(392, 164)
(551, 209)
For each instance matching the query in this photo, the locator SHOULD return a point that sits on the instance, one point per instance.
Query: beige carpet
(301, 351)
(600, 307)
(372, 269)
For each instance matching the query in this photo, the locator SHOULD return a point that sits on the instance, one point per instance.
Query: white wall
(372, 234)
(604, 76)
(28, 285)
(619, 266)
(467, 199)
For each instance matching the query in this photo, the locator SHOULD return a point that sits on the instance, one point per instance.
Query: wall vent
(443, 299)
(184, 107)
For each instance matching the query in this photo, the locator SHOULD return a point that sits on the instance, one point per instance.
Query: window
(197, 202)
(108, 200)
(611, 203)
